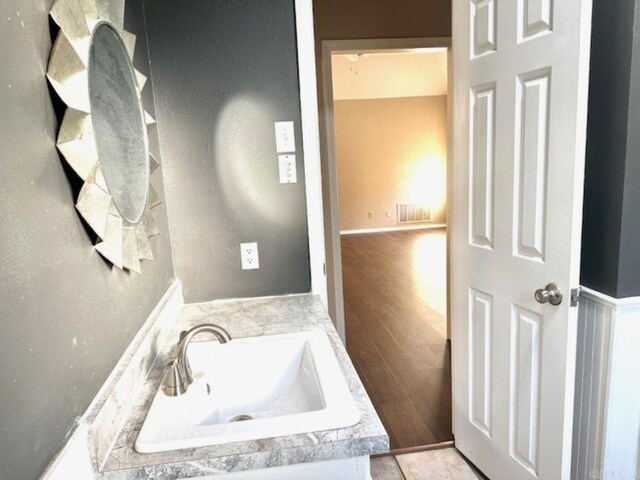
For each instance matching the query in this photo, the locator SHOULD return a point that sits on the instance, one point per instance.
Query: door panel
(482, 166)
(520, 82)
(524, 402)
(532, 147)
(484, 23)
(534, 18)
(480, 323)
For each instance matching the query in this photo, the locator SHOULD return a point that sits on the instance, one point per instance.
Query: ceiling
(416, 73)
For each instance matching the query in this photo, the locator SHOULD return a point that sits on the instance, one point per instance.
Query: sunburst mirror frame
(121, 243)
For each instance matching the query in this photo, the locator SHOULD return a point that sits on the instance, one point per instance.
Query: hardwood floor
(395, 307)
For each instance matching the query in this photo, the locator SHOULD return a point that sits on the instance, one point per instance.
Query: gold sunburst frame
(121, 243)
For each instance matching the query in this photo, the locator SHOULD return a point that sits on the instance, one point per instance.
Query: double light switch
(286, 146)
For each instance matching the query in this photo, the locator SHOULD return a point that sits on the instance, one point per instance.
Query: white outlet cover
(285, 137)
(287, 167)
(249, 256)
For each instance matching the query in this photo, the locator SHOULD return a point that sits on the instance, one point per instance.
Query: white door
(520, 106)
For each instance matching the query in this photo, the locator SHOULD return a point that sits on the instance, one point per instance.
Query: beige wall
(390, 151)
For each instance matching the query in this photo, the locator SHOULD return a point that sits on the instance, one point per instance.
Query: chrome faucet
(179, 376)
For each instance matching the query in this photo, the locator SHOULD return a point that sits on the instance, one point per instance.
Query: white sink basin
(249, 389)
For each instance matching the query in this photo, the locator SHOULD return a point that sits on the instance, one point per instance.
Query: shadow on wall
(224, 72)
(239, 170)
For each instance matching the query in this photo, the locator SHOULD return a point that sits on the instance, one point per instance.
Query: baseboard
(94, 433)
(607, 411)
(398, 228)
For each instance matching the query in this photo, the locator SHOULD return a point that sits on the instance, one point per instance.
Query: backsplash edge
(110, 408)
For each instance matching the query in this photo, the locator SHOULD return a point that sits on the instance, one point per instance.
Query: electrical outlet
(285, 138)
(249, 256)
(287, 165)
(388, 213)
(369, 214)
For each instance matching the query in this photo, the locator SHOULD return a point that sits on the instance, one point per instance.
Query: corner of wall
(92, 437)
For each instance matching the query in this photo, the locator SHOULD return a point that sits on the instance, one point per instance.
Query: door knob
(549, 294)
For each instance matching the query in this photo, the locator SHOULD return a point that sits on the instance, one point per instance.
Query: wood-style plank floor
(395, 307)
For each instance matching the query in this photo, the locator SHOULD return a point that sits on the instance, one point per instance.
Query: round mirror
(118, 123)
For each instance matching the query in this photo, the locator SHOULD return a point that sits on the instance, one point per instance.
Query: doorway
(517, 168)
(387, 123)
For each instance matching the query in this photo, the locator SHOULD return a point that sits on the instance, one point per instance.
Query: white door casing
(520, 108)
(330, 47)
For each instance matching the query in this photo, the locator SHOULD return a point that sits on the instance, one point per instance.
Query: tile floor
(443, 464)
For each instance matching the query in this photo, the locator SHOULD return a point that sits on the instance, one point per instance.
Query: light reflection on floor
(429, 269)
(395, 308)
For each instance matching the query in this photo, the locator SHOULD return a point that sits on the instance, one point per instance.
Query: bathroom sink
(249, 389)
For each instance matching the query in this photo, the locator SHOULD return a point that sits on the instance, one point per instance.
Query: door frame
(305, 39)
(330, 47)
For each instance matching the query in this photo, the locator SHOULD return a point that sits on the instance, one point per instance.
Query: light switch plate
(249, 256)
(285, 137)
(288, 170)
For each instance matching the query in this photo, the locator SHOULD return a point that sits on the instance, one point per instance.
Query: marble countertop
(248, 318)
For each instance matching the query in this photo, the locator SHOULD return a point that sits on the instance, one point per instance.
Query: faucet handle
(173, 382)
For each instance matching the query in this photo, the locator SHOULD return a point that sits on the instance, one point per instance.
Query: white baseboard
(77, 458)
(398, 228)
(607, 408)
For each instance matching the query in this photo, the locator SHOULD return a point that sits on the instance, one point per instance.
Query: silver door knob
(549, 294)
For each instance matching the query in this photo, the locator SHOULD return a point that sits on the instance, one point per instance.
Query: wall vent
(412, 213)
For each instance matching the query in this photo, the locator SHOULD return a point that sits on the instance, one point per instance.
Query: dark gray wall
(629, 272)
(224, 71)
(611, 229)
(66, 317)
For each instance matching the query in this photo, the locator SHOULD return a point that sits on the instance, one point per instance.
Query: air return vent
(412, 213)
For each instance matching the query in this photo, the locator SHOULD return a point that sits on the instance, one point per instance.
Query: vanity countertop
(248, 318)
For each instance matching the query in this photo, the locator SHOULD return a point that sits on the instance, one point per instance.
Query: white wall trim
(351, 46)
(399, 228)
(76, 458)
(607, 405)
(311, 145)
(617, 303)
(332, 189)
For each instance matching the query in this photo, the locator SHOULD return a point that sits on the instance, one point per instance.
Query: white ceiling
(389, 75)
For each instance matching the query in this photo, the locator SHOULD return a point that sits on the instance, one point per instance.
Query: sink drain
(241, 418)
